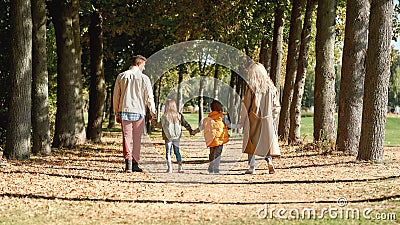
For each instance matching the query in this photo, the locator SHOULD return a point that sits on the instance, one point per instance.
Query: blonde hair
(259, 80)
(171, 111)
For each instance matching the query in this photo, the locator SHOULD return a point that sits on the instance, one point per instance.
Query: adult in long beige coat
(260, 110)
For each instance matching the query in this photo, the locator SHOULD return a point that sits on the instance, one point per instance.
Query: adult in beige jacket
(260, 110)
(132, 93)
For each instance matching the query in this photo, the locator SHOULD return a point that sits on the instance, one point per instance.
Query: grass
(392, 135)
(68, 212)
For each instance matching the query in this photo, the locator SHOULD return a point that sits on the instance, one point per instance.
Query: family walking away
(132, 93)
(172, 122)
(260, 110)
(215, 128)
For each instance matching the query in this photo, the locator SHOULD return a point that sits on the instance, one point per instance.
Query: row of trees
(92, 40)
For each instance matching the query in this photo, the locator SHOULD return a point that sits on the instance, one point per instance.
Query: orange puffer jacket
(215, 130)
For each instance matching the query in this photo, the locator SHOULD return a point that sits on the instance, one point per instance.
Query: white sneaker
(250, 171)
(180, 169)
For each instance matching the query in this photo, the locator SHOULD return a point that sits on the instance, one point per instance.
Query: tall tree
(40, 81)
(324, 91)
(179, 97)
(376, 81)
(80, 132)
(18, 142)
(216, 77)
(97, 83)
(352, 76)
(277, 45)
(291, 67)
(61, 13)
(295, 107)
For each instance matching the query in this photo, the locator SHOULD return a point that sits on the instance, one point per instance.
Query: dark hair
(137, 59)
(216, 106)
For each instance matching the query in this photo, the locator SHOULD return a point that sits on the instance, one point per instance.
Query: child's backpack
(172, 131)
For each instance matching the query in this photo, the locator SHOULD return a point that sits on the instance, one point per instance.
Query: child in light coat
(172, 122)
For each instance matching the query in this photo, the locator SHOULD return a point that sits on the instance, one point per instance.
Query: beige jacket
(132, 92)
(259, 114)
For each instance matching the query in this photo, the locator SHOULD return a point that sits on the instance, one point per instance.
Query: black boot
(128, 165)
(135, 167)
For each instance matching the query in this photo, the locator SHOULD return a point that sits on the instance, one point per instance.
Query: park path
(94, 173)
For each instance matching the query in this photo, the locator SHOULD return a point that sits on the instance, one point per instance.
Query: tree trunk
(277, 45)
(107, 103)
(263, 56)
(97, 83)
(179, 96)
(291, 67)
(18, 142)
(231, 94)
(80, 131)
(324, 91)
(111, 118)
(352, 76)
(201, 98)
(376, 81)
(40, 81)
(216, 76)
(295, 108)
(158, 98)
(66, 110)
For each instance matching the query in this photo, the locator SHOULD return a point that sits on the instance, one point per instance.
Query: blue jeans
(168, 147)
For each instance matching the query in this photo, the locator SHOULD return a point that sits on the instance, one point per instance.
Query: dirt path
(93, 174)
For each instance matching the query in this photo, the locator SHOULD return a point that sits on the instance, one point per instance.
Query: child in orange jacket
(215, 128)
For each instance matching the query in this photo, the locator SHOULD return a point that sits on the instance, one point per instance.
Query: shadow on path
(35, 196)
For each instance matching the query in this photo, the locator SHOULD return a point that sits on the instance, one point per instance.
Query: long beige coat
(259, 113)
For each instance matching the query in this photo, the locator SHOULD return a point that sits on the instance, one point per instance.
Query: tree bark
(80, 131)
(40, 81)
(97, 82)
(324, 91)
(263, 56)
(201, 98)
(291, 67)
(179, 101)
(376, 81)
(277, 46)
(111, 117)
(216, 79)
(352, 76)
(18, 137)
(295, 108)
(66, 69)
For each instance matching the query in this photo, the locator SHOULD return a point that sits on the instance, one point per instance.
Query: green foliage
(396, 22)
(52, 71)
(394, 85)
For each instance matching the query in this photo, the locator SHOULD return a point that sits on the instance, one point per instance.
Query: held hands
(153, 119)
(118, 119)
(194, 132)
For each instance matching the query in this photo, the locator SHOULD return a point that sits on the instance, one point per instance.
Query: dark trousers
(215, 158)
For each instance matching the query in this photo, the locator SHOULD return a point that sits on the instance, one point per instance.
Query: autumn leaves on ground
(86, 185)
